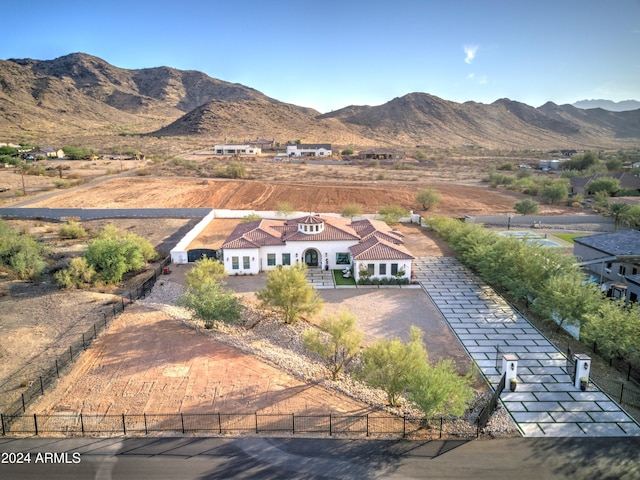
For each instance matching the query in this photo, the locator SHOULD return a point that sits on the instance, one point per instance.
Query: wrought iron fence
(236, 424)
(490, 407)
(37, 387)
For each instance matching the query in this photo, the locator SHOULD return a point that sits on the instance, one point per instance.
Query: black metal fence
(37, 387)
(490, 407)
(236, 424)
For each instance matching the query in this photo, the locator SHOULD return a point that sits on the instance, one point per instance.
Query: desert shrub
(72, 229)
(61, 183)
(391, 214)
(21, 253)
(505, 166)
(78, 275)
(374, 163)
(115, 253)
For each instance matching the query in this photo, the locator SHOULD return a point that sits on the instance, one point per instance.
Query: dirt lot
(259, 195)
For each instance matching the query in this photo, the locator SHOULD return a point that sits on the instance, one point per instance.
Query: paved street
(546, 403)
(187, 458)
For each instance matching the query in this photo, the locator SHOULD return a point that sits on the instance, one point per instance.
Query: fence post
(478, 427)
(57, 371)
(2, 421)
(41, 386)
(219, 423)
(256, 417)
(330, 425)
(95, 331)
(441, 427)
(35, 423)
(144, 416)
(81, 424)
(70, 353)
(621, 390)
(84, 345)
(124, 426)
(367, 424)
(24, 408)
(182, 422)
(293, 423)
(122, 303)
(404, 426)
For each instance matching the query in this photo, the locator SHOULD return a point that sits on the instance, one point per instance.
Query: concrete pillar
(509, 367)
(583, 367)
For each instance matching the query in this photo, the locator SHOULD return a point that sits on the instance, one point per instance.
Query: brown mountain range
(79, 94)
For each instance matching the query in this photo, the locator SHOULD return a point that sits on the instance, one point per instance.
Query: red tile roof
(376, 249)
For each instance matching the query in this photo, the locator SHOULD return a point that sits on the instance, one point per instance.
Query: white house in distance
(309, 150)
(319, 242)
(237, 150)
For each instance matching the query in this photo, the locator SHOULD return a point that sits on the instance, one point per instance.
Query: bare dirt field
(132, 192)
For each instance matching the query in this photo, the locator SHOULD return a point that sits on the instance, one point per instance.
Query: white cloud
(471, 76)
(470, 51)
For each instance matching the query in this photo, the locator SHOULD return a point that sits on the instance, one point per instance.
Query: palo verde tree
(351, 210)
(615, 328)
(114, 253)
(338, 342)
(206, 297)
(391, 214)
(285, 209)
(287, 288)
(391, 365)
(428, 198)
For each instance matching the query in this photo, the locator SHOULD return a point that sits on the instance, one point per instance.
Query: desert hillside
(74, 98)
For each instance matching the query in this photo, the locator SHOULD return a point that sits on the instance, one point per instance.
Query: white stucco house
(233, 149)
(309, 150)
(371, 247)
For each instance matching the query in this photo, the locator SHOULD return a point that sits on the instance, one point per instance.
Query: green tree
(567, 299)
(614, 164)
(615, 327)
(391, 365)
(351, 210)
(632, 216)
(7, 150)
(604, 184)
(526, 207)
(115, 253)
(347, 151)
(210, 302)
(555, 192)
(339, 342)
(250, 217)
(428, 198)
(285, 209)
(439, 389)
(391, 214)
(204, 270)
(288, 289)
(77, 153)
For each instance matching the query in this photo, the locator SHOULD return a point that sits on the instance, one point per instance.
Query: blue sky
(328, 54)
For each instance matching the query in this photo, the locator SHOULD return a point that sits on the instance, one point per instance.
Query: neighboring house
(52, 152)
(612, 259)
(232, 149)
(580, 185)
(309, 150)
(381, 154)
(369, 246)
(263, 143)
(37, 154)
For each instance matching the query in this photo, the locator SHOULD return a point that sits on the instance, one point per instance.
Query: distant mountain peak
(610, 105)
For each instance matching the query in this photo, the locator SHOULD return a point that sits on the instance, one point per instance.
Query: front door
(311, 258)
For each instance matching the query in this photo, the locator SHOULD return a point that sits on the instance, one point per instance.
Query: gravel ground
(279, 344)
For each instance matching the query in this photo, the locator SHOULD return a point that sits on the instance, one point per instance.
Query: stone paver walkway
(545, 403)
(320, 278)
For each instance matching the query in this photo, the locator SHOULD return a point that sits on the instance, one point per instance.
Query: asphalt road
(303, 458)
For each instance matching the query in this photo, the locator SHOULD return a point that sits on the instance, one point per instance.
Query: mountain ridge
(80, 93)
